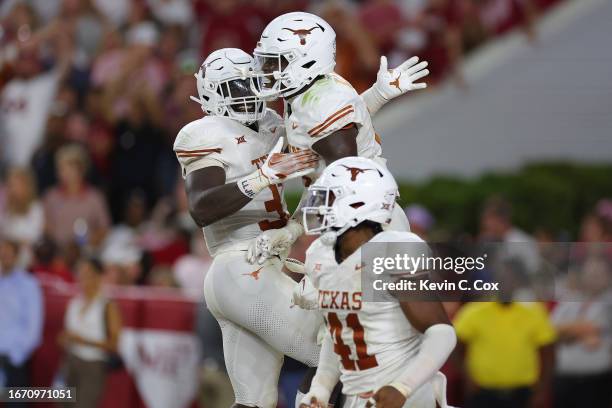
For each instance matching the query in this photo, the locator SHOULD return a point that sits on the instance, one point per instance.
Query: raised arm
(391, 83)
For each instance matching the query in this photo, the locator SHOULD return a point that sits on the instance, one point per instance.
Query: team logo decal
(355, 171)
(254, 274)
(240, 139)
(395, 83)
(303, 33)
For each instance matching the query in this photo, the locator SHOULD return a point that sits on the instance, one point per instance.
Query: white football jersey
(239, 150)
(372, 340)
(329, 105)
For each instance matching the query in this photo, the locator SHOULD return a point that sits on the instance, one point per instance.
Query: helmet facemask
(318, 212)
(335, 209)
(239, 101)
(271, 78)
(231, 97)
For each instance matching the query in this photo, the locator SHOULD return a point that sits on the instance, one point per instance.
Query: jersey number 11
(364, 360)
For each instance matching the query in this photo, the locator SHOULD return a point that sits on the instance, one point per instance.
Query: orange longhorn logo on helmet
(302, 33)
(355, 171)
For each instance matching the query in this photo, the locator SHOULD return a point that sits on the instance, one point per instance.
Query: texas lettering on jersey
(339, 300)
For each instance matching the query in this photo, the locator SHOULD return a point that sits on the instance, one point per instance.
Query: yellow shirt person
(503, 341)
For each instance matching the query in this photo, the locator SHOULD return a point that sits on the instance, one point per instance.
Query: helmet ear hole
(357, 205)
(308, 64)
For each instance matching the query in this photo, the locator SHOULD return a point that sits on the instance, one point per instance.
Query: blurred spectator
(21, 215)
(25, 101)
(75, 211)
(496, 226)
(421, 220)
(357, 54)
(172, 12)
(508, 354)
(115, 11)
(131, 102)
(382, 19)
(592, 228)
(434, 33)
(499, 16)
(21, 316)
(133, 223)
(50, 262)
(161, 276)
(87, 26)
(122, 264)
(92, 326)
(229, 23)
(584, 354)
(190, 269)
(604, 210)
(595, 233)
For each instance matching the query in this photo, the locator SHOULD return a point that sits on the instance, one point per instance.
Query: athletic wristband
(373, 99)
(253, 183)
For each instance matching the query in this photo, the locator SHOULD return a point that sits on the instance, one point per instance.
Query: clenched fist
(387, 397)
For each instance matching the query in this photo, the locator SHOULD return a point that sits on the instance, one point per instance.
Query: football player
(233, 164)
(388, 352)
(295, 59)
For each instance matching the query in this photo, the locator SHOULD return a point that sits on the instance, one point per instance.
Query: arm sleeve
(328, 373)
(373, 99)
(195, 151)
(438, 342)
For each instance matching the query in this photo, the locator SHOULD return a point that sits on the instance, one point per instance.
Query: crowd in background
(92, 94)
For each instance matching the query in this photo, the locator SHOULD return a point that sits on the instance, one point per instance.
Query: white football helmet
(348, 192)
(224, 86)
(293, 50)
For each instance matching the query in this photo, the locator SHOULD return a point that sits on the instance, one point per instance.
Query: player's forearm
(215, 203)
(373, 99)
(328, 373)
(438, 342)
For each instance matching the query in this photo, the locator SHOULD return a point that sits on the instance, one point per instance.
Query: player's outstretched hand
(392, 83)
(387, 397)
(284, 166)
